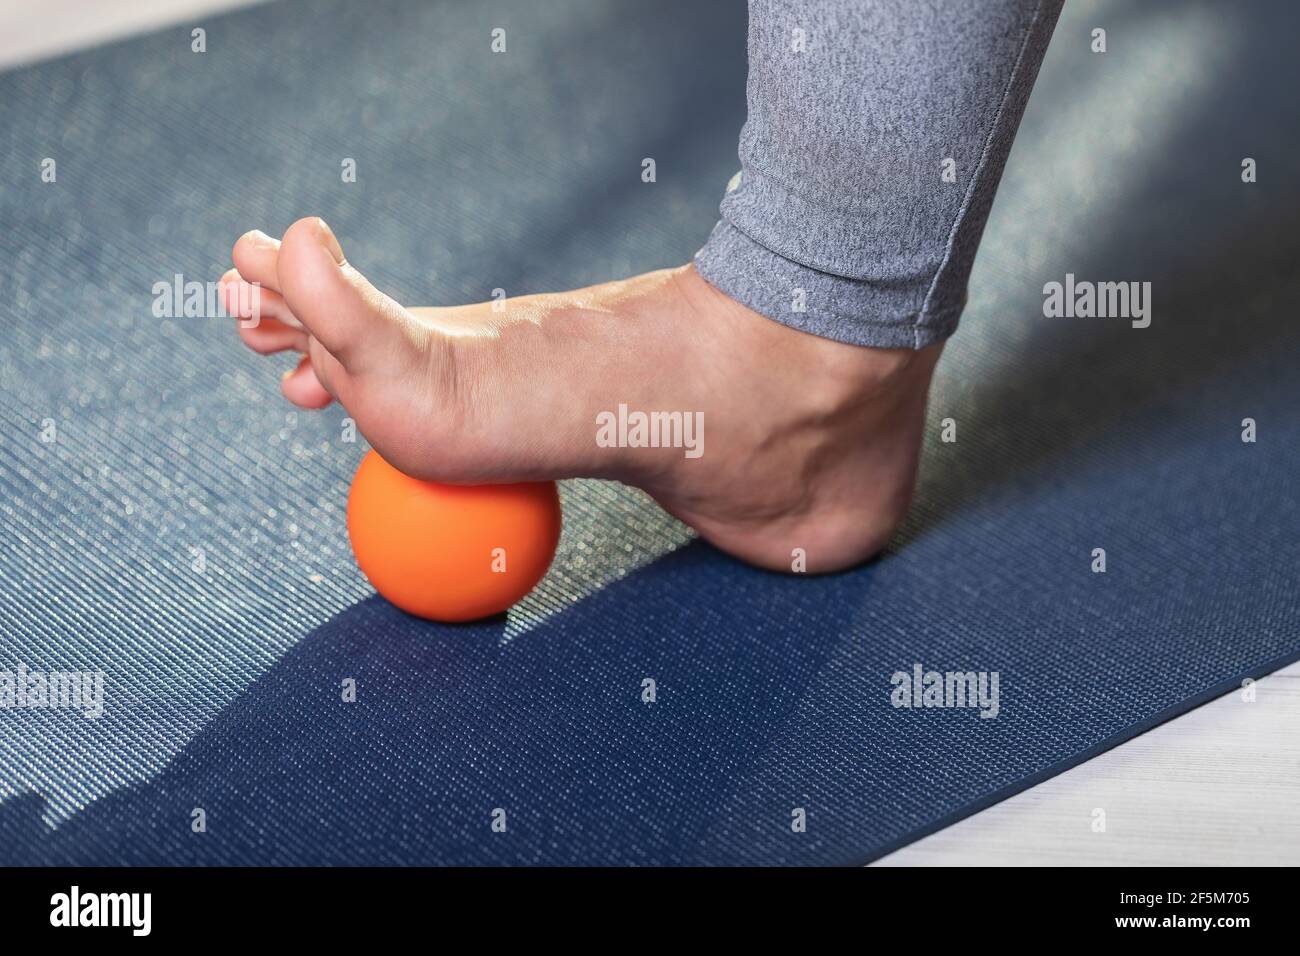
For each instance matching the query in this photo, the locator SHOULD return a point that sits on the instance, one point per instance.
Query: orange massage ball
(450, 552)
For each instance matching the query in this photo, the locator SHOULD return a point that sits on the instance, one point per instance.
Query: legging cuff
(854, 311)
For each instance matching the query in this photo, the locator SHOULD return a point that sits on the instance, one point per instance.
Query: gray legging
(877, 133)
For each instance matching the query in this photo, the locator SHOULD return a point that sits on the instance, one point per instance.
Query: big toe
(352, 319)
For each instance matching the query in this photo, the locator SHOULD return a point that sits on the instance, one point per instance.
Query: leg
(876, 136)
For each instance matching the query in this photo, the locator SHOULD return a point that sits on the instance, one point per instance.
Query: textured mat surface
(183, 531)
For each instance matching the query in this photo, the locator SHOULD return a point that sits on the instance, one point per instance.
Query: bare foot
(807, 443)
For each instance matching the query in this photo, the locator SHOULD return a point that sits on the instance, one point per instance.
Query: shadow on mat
(449, 725)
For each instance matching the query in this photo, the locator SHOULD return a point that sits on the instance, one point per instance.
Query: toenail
(331, 242)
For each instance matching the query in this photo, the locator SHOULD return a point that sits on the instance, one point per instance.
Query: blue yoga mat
(168, 520)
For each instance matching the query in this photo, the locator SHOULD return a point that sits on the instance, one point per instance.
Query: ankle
(825, 373)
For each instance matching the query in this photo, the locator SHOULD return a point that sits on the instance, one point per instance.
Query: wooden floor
(1218, 786)
(32, 30)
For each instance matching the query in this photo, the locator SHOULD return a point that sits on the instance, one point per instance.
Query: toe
(270, 336)
(255, 256)
(303, 388)
(348, 315)
(253, 304)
